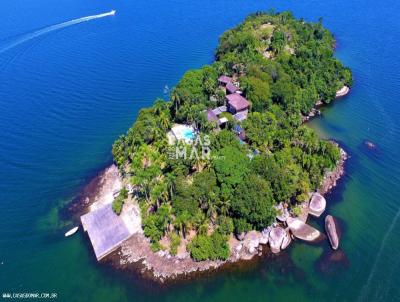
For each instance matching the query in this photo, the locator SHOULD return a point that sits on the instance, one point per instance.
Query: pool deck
(183, 132)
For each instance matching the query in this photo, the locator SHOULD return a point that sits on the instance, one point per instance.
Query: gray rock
(240, 236)
(276, 237)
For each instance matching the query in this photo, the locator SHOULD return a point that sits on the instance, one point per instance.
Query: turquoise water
(67, 94)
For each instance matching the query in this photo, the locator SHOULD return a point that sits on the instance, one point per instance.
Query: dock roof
(106, 230)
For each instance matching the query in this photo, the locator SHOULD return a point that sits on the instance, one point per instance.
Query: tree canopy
(283, 66)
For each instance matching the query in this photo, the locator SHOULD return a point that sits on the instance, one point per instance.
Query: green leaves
(156, 223)
(253, 201)
(261, 129)
(284, 66)
(258, 92)
(213, 247)
(119, 201)
(231, 165)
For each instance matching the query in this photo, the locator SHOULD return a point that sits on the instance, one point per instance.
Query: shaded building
(236, 103)
(230, 88)
(224, 80)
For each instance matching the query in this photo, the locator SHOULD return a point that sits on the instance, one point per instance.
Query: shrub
(213, 247)
(225, 225)
(154, 225)
(117, 205)
(156, 246)
(175, 242)
(241, 225)
(297, 210)
(118, 202)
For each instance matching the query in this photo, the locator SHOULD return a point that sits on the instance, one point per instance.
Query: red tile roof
(231, 88)
(224, 79)
(237, 101)
(211, 116)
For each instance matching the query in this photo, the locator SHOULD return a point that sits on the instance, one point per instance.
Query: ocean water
(67, 90)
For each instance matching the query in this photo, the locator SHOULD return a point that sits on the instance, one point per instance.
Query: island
(226, 165)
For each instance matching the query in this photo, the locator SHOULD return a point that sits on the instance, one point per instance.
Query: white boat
(71, 231)
(112, 13)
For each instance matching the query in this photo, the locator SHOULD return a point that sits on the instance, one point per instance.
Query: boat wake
(364, 291)
(46, 30)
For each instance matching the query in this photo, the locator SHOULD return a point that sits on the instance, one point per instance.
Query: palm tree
(224, 206)
(197, 160)
(182, 223)
(211, 209)
(175, 100)
(164, 120)
(170, 182)
(159, 106)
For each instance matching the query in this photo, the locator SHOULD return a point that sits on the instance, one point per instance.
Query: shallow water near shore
(66, 95)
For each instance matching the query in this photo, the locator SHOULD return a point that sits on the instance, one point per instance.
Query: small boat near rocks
(71, 231)
(330, 228)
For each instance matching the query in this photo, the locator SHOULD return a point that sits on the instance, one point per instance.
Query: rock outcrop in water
(343, 91)
(369, 144)
(276, 237)
(301, 230)
(330, 228)
(317, 204)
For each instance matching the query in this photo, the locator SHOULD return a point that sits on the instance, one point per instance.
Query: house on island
(213, 115)
(238, 106)
(224, 80)
(236, 103)
(227, 82)
(231, 88)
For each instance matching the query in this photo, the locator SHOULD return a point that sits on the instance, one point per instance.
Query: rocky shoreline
(99, 191)
(162, 266)
(135, 253)
(315, 111)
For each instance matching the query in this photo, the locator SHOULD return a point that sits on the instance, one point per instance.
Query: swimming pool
(188, 134)
(183, 132)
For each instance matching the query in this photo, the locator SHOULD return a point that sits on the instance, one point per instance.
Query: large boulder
(317, 205)
(282, 212)
(330, 228)
(252, 241)
(286, 240)
(265, 235)
(276, 236)
(301, 230)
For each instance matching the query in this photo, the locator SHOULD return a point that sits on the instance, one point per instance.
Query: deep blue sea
(67, 91)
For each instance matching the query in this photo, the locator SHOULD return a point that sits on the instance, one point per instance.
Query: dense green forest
(284, 66)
